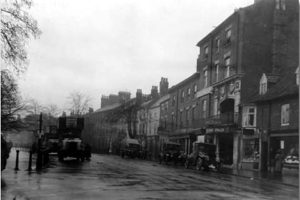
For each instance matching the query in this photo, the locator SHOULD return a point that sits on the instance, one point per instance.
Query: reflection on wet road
(111, 177)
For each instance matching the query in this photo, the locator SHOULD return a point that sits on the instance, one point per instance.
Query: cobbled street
(111, 177)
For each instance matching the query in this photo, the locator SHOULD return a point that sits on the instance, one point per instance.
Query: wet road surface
(111, 177)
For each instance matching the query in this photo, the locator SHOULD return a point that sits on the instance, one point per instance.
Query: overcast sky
(100, 47)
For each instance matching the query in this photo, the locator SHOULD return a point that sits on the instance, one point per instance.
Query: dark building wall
(259, 42)
(184, 105)
(269, 114)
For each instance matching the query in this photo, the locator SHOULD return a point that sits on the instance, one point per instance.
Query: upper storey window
(227, 66)
(280, 5)
(217, 44)
(297, 76)
(195, 89)
(205, 77)
(182, 95)
(228, 33)
(263, 85)
(205, 52)
(285, 114)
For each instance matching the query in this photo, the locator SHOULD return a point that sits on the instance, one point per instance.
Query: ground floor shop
(227, 141)
(284, 153)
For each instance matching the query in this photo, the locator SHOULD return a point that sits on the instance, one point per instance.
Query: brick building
(182, 115)
(257, 39)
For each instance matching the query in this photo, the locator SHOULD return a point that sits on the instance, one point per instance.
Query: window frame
(285, 114)
(205, 77)
(247, 114)
(227, 66)
(218, 44)
(206, 52)
(204, 108)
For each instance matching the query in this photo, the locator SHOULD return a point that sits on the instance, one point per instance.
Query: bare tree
(17, 27)
(34, 107)
(53, 110)
(79, 103)
(11, 104)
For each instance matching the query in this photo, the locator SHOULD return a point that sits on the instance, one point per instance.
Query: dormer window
(263, 85)
(297, 76)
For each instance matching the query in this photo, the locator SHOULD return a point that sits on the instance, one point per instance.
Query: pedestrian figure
(279, 157)
(87, 151)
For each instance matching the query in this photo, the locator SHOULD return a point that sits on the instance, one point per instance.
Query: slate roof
(285, 87)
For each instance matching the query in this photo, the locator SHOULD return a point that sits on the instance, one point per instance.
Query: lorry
(51, 137)
(70, 143)
(130, 148)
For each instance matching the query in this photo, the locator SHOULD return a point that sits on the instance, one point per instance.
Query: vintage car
(170, 152)
(130, 148)
(203, 157)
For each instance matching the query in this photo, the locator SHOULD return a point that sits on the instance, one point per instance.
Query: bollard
(17, 160)
(30, 161)
(39, 160)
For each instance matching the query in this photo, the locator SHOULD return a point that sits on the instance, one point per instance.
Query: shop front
(288, 145)
(226, 141)
(250, 152)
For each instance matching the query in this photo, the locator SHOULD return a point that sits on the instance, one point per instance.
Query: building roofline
(195, 75)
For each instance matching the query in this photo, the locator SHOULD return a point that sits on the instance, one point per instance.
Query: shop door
(226, 148)
(264, 156)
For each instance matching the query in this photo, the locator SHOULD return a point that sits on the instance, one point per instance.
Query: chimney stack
(154, 92)
(163, 86)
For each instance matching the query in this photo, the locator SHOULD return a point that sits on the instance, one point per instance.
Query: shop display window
(251, 150)
(292, 156)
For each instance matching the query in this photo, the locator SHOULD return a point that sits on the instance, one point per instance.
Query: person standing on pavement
(279, 157)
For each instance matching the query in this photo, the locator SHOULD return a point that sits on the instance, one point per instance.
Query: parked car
(170, 152)
(130, 148)
(203, 157)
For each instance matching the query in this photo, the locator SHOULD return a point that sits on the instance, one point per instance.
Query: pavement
(111, 177)
(286, 178)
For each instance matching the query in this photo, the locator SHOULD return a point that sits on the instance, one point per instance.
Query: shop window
(251, 150)
(285, 114)
(249, 116)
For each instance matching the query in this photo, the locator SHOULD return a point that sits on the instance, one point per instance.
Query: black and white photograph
(149, 99)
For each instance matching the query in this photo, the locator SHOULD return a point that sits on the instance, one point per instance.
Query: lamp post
(39, 152)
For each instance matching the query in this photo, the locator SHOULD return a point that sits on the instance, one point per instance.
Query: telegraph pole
(39, 152)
